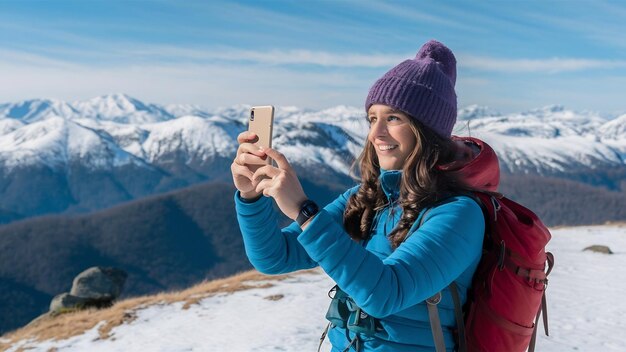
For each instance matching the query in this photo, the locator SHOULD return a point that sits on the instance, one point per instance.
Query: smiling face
(391, 134)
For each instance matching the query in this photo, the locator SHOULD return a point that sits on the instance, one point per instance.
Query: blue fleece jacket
(391, 285)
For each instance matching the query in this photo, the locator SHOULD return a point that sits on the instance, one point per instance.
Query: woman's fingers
(242, 178)
(249, 159)
(267, 171)
(280, 183)
(237, 169)
(268, 178)
(265, 187)
(245, 140)
(248, 148)
(247, 137)
(281, 161)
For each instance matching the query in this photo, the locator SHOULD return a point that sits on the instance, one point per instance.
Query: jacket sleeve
(446, 244)
(270, 249)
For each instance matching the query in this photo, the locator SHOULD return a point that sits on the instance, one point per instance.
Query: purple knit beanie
(422, 88)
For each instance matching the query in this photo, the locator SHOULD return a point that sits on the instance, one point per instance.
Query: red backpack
(508, 289)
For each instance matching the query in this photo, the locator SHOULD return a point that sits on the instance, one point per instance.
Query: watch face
(310, 209)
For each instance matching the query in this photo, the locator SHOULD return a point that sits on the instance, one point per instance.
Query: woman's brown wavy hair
(422, 184)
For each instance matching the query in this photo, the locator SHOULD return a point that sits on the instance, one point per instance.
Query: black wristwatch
(307, 210)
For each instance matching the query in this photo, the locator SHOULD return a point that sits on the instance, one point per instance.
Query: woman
(372, 240)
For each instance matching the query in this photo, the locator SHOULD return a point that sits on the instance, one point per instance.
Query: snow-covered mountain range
(130, 149)
(113, 130)
(549, 140)
(287, 315)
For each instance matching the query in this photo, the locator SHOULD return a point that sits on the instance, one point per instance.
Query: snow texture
(585, 305)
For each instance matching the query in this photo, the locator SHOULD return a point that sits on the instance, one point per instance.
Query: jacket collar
(390, 183)
(476, 163)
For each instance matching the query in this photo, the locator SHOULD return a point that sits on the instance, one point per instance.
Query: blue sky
(512, 55)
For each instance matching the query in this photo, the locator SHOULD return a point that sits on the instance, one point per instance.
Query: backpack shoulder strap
(458, 314)
(431, 303)
(435, 322)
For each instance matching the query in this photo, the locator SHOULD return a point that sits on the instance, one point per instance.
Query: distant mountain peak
(474, 111)
(36, 109)
(546, 111)
(121, 108)
(552, 108)
(122, 101)
(614, 129)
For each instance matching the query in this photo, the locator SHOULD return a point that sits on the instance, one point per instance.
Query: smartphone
(261, 123)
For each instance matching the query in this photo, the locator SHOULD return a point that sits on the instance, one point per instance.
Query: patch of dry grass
(74, 323)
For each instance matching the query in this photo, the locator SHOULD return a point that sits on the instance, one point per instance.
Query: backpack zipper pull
(496, 208)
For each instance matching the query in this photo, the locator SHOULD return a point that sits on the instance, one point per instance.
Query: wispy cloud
(280, 57)
(607, 28)
(419, 15)
(209, 84)
(327, 59)
(13, 58)
(183, 55)
(551, 65)
(222, 84)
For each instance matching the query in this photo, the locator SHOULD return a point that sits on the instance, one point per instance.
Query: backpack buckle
(434, 300)
(338, 311)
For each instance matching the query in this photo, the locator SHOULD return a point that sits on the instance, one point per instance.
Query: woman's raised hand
(280, 183)
(253, 179)
(246, 163)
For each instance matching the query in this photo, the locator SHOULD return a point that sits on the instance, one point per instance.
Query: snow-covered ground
(586, 308)
(586, 292)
